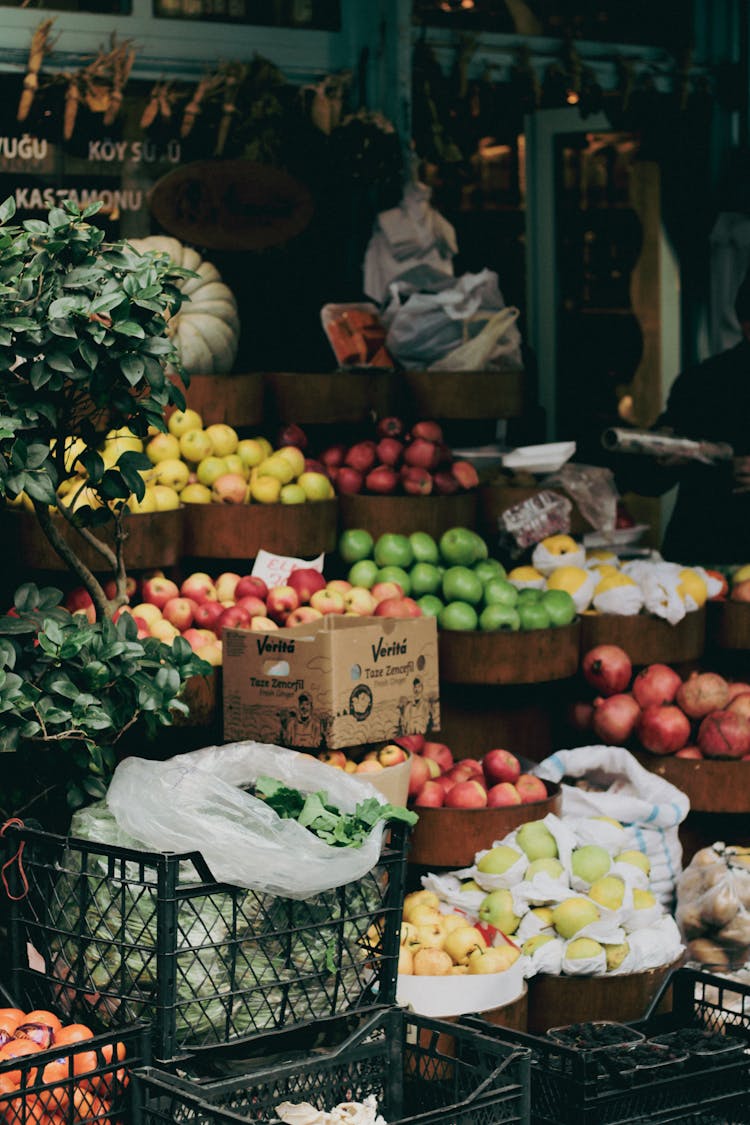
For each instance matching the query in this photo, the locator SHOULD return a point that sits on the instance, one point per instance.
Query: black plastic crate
(87, 1081)
(571, 1087)
(419, 1070)
(127, 935)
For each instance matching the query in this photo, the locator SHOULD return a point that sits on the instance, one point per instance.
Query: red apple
(196, 638)
(389, 451)
(383, 590)
(445, 484)
(199, 587)
(256, 607)
(607, 669)
(235, 617)
(264, 624)
(430, 431)
(292, 434)
(397, 607)
(281, 600)
(465, 474)
(416, 481)
(466, 795)
(413, 742)
(463, 772)
(110, 588)
(663, 729)
(333, 457)
(333, 758)
(349, 481)
(504, 793)
(422, 453)
(439, 753)
(250, 585)
(382, 480)
(306, 580)
(226, 586)
(445, 781)
(434, 768)
(531, 789)
(361, 456)
(391, 755)
(655, 684)
(314, 466)
(158, 591)
(390, 427)
(303, 616)
(80, 601)
(430, 796)
(419, 775)
(206, 614)
(180, 612)
(500, 765)
(328, 601)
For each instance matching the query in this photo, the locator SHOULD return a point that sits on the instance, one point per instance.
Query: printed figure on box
(301, 727)
(416, 714)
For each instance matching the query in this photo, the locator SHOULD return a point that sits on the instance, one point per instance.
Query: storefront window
(323, 15)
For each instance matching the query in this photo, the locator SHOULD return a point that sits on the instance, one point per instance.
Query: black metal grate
(419, 1070)
(127, 935)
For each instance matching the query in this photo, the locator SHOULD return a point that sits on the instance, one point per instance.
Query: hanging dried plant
(159, 104)
(233, 75)
(327, 105)
(40, 46)
(205, 87)
(121, 60)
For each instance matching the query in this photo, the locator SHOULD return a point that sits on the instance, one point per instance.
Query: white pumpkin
(206, 330)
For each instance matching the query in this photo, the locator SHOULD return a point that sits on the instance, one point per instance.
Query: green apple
(590, 862)
(481, 550)
(531, 944)
(459, 617)
(499, 619)
(497, 910)
(462, 585)
(487, 569)
(498, 860)
(276, 466)
(536, 841)
(292, 494)
(529, 594)
(608, 891)
(317, 486)
(547, 865)
(392, 549)
(616, 954)
(498, 591)
(430, 605)
(355, 544)
(363, 573)
(210, 469)
(395, 574)
(425, 579)
(582, 949)
(560, 607)
(638, 859)
(571, 915)
(533, 615)
(470, 885)
(458, 546)
(424, 547)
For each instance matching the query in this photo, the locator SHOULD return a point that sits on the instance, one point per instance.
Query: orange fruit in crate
(58, 1076)
(28, 1109)
(87, 1106)
(17, 1049)
(10, 1019)
(105, 1084)
(72, 1033)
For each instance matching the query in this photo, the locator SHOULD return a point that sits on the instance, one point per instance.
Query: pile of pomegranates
(703, 716)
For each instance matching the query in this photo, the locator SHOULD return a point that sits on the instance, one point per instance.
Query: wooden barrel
(712, 786)
(154, 539)
(234, 399)
(331, 396)
(452, 837)
(513, 1016)
(494, 499)
(203, 696)
(647, 639)
(729, 624)
(536, 656)
(404, 514)
(464, 394)
(556, 1001)
(239, 531)
(475, 718)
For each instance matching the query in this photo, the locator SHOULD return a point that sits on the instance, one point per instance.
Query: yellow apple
(163, 447)
(148, 611)
(210, 469)
(294, 456)
(195, 446)
(211, 653)
(417, 898)
(166, 498)
(195, 493)
(172, 473)
(164, 631)
(292, 494)
(223, 438)
(266, 490)
(251, 452)
(146, 504)
(317, 486)
(235, 464)
(278, 467)
(431, 963)
(183, 421)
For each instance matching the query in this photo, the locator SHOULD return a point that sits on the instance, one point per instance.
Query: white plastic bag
(411, 235)
(194, 802)
(650, 808)
(425, 324)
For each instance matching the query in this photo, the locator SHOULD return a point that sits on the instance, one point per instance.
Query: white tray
(540, 458)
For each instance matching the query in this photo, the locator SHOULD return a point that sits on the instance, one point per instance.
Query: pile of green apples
(452, 579)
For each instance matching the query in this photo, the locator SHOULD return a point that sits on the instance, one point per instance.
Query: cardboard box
(340, 681)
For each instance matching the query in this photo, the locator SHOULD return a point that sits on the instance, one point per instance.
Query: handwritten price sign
(275, 569)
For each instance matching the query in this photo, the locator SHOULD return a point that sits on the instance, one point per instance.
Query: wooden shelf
(465, 394)
(729, 625)
(557, 1001)
(332, 396)
(647, 639)
(234, 399)
(452, 837)
(536, 656)
(712, 786)
(154, 539)
(404, 514)
(239, 531)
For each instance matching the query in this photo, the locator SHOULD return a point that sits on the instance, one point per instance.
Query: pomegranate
(663, 729)
(656, 684)
(579, 715)
(740, 705)
(614, 718)
(607, 669)
(737, 688)
(689, 752)
(701, 693)
(724, 734)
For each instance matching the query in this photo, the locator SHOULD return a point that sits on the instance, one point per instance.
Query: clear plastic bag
(713, 906)
(195, 802)
(593, 490)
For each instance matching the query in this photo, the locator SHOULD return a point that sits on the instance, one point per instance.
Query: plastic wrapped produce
(713, 906)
